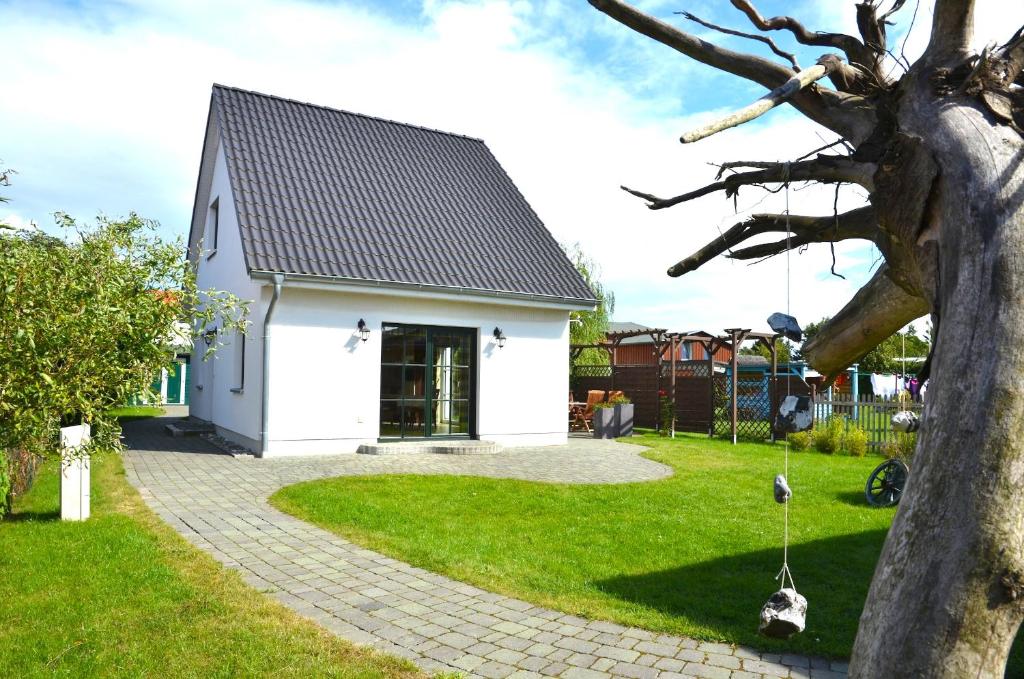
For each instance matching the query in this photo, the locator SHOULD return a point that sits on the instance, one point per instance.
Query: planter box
(74, 474)
(604, 423)
(624, 419)
(611, 423)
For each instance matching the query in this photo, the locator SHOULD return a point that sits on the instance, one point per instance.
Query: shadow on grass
(37, 517)
(725, 595)
(854, 498)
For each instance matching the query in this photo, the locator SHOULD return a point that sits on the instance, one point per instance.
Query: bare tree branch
(879, 309)
(952, 30)
(779, 95)
(856, 52)
(849, 116)
(826, 169)
(859, 223)
(752, 36)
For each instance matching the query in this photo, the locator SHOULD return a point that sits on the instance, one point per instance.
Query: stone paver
(219, 503)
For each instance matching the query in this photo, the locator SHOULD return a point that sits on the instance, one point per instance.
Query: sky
(103, 106)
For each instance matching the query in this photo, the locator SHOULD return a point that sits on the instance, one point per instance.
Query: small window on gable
(212, 227)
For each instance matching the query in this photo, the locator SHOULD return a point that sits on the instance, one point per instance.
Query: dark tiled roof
(330, 193)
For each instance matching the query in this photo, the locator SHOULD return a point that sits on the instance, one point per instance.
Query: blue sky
(104, 104)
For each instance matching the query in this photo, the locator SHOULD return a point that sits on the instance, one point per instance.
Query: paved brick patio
(219, 503)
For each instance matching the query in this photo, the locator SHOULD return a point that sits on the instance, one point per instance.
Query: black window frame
(471, 401)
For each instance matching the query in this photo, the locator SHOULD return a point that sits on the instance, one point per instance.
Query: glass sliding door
(426, 381)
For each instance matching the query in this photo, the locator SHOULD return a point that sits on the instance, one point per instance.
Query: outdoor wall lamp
(209, 336)
(499, 337)
(364, 332)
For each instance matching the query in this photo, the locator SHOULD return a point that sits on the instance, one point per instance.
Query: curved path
(219, 503)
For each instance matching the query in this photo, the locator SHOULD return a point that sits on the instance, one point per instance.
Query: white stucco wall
(237, 415)
(325, 383)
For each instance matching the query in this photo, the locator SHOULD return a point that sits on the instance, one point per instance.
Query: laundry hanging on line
(885, 385)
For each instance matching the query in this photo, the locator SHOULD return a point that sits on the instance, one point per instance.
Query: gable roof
(328, 193)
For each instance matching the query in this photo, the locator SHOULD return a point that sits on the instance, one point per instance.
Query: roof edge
(347, 112)
(571, 303)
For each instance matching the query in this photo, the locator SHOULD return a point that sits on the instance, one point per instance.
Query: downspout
(264, 396)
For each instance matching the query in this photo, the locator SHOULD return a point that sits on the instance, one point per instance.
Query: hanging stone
(786, 326)
(782, 491)
(784, 615)
(794, 414)
(906, 422)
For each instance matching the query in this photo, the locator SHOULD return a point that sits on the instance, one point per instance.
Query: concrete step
(189, 427)
(435, 447)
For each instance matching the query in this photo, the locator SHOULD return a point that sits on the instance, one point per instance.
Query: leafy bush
(855, 442)
(603, 404)
(87, 319)
(800, 440)
(828, 438)
(5, 486)
(619, 401)
(901, 446)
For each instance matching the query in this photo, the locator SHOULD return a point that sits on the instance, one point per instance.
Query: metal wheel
(885, 485)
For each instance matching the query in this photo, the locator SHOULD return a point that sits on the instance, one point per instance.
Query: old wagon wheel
(885, 485)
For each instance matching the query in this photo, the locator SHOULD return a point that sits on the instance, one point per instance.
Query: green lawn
(694, 554)
(128, 413)
(123, 595)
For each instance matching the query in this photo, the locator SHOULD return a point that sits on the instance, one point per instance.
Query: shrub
(619, 401)
(800, 440)
(828, 438)
(5, 486)
(901, 446)
(603, 404)
(855, 442)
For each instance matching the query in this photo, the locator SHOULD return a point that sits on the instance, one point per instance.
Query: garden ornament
(786, 325)
(784, 615)
(782, 491)
(794, 414)
(906, 422)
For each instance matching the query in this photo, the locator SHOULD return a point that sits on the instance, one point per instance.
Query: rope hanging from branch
(785, 612)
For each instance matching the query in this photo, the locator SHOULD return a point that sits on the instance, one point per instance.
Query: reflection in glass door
(426, 381)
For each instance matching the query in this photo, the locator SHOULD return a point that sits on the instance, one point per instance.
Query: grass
(695, 554)
(123, 595)
(128, 413)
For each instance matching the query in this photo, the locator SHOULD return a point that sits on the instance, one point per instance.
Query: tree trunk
(948, 593)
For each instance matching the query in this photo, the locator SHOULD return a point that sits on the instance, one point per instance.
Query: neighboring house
(402, 287)
(641, 350)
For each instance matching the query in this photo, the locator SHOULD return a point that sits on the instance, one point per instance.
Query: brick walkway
(219, 503)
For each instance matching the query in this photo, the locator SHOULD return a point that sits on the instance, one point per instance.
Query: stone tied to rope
(784, 615)
(786, 326)
(782, 491)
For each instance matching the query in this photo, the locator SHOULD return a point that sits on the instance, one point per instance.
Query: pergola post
(734, 383)
(710, 348)
(672, 430)
(774, 390)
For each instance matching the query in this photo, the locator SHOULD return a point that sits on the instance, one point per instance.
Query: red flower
(662, 393)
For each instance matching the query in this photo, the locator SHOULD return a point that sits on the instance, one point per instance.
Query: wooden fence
(872, 413)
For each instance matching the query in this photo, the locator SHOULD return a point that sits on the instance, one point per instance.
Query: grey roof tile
(330, 193)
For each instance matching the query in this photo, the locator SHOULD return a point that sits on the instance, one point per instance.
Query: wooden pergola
(663, 339)
(738, 336)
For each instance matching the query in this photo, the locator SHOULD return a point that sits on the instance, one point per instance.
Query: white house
(402, 287)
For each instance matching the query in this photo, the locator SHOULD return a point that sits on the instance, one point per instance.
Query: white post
(74, 474)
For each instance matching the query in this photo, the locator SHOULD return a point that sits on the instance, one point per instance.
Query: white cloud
(105, 110)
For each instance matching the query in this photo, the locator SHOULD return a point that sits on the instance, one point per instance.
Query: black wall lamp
(499, 337)
(209, 336)
(364, 332)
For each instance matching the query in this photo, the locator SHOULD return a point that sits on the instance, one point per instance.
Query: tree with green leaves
(87, 319)
(589, 327)
(782, 350)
